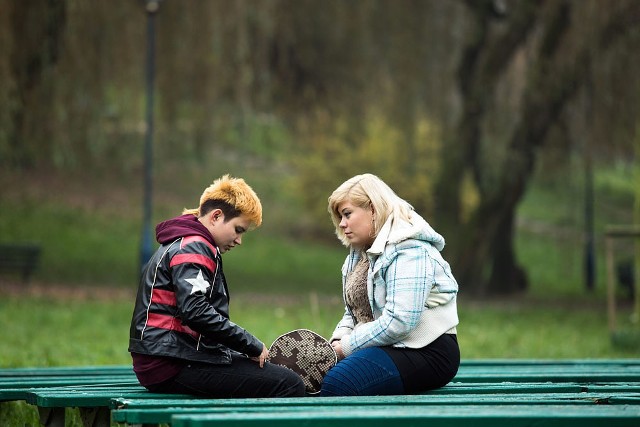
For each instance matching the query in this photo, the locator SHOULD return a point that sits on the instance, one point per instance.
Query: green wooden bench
(432, 416)
(21, 384)
(529, 391)
(93, 402)
(153, 412)
(15, 384)
(14, 392)
(22, 259)
(532, 384)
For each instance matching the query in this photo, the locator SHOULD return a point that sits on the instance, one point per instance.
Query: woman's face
(357, 224)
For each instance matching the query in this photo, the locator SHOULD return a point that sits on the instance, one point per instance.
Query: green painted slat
(534, 368)
(163, 413)
(65, 371)
(10, 394)
(107, 392)
(482, 388)
(555, 378)
(63, 381)
(126, 403)
(625, 400)
(501, 370)
(481, 382)
(549, 375)
(87, 398)
(502, 389)
(102, 395)
(78, 397)
(432, 416)
(549, 362)
(574, 372)
(613, 387)
(508, 387)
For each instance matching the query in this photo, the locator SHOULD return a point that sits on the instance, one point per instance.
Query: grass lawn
(67, 327)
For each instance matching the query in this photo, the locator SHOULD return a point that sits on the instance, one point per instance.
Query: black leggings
(242, 378)
(427, 368)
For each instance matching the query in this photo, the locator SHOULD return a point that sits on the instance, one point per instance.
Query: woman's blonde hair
(233, 196)
(367, 191)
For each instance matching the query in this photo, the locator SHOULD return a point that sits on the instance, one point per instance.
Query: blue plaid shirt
(410, 287)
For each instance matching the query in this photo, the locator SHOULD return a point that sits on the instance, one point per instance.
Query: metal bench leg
(51, 417)
(95, 417)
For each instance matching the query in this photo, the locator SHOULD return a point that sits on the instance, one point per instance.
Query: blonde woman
(398, 332)
(182, 339)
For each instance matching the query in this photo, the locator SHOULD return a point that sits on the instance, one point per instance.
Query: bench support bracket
(95, 417)
(51, 417)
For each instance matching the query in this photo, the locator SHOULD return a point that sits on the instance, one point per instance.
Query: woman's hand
(263, 356)
(337, 346)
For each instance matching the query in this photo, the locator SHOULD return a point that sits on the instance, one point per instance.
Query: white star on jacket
(198, 284)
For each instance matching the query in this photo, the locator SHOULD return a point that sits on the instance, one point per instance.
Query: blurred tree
(545, 43)
(36, 33)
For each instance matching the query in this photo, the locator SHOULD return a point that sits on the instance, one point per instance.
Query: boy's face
(226, 234)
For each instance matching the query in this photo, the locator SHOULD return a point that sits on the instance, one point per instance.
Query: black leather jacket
(182, 306)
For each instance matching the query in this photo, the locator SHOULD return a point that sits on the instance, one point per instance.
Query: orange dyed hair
(234, 192)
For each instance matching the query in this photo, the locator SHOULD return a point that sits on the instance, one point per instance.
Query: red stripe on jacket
(190, 239)
(160, 296)
(171, 323)
(203, 260)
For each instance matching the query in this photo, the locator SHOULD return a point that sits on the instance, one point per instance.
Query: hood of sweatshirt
(181, 226)
(397, 230)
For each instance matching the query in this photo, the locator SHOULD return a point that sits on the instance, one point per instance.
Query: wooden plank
(569, 373)
(479, 383)
(163, 413)
(575, 368)
(29, 394)
(90, 397)
(66, 371)
(79, 397)
(67, 381)
(508, 363)
(12, 394)
(432, 416)
(127, 403)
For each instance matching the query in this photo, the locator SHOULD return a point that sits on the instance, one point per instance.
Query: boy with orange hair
(182, 339)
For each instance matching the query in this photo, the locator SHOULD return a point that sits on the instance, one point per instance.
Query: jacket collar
(383, 237)
(396, 230)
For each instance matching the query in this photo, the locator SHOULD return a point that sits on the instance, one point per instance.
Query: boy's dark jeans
(242, 378)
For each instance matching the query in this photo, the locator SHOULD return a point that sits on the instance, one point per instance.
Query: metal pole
(590, 262)
(146, 249)
(611, 294)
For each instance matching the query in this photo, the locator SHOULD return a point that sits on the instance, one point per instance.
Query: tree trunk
(483, 62)
(37, 28)
(483, 257)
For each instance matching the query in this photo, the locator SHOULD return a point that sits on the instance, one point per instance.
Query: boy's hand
(263, 356)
